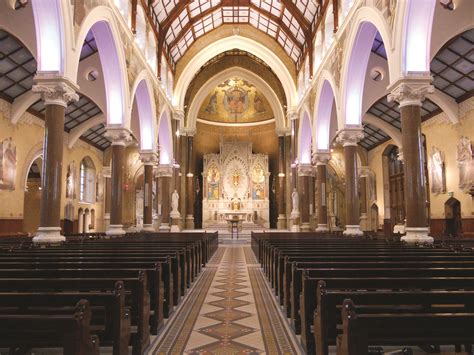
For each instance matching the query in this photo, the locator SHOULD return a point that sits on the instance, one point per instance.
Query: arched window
(328, 27)
(86, 180)
(318, 50)
(123, 7)
(151, 52)
(141, 29)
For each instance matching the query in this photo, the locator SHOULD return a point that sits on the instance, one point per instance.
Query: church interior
(236, 177)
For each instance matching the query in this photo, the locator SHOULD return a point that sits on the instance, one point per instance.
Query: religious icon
(258, 176)
(7, 164)
(70, 180)
(236, 178)
(211, 107)
(213, 177)
(438, 177)
(465, 164)
(258, 104)
(236, 100)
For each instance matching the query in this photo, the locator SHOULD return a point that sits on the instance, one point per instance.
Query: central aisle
(230, 310)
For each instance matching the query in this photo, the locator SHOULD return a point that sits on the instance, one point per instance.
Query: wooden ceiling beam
(304, 23)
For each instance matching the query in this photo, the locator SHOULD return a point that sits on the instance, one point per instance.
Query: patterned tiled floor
(230, 310)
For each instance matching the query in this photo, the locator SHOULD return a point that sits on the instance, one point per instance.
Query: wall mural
(235, 100)
(7, 164)
(70, 180)
(465, 164)
(438, 172)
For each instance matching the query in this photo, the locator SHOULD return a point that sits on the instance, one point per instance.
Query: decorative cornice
(149, 158)
(178, 115)
(292, 115)
(188, 131)
(321, 157)
(164, 171)
(350, 136)
(411, 91)
(118, 135)
(305, 170)
(55, 90)
(281, 132)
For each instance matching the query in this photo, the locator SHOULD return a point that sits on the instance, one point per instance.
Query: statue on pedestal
(295, 199)
(174, 204)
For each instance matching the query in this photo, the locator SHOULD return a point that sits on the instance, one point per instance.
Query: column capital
(321, 157)
(283, 131)
(148, 158)
(178, 114)
(164, 170)
(291, 114)
(118, 135)
(55, 90)
(350, 136)
(411, 91)
(186, 131)
(305, 170)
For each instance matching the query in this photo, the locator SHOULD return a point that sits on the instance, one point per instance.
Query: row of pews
(360, 293)
(95, 292)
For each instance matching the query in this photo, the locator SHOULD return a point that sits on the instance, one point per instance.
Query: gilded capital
(411, 91)
(149, 158)
(55, 90)
(321, 158)
(350, 136)
(305, 170)
(164, 170)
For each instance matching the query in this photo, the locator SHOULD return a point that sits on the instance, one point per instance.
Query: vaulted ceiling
(181, 23)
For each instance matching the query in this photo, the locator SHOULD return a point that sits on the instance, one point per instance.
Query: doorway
(452, 212)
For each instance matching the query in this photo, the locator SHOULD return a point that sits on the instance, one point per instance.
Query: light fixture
(281, 174)
(190, 175)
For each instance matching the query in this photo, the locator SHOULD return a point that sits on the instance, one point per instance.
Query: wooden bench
(71, 332)
(359, 331)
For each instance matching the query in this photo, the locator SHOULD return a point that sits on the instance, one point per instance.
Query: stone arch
(244, 74)
(165, 138)
(230, 43)
(142, 92)
(326, 102)
(305, 139)
(102, 23)
(35, 152)
(367, 22)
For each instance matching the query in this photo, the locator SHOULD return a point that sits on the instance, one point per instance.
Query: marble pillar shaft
(414, 177)
(363, 194)
(305, 197)
(50, 213)
(322, 197)
(165, 198)
(108, 192)
(118, 170)
(281, 179)
(352, 194)
(148, 196)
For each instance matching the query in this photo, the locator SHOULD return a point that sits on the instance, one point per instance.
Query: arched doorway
(374, 217)
(394, 191)
(32, 197)
(452, 212)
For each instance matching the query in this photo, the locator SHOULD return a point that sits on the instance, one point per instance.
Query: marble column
(410, 93)
(190, 186)
(56, 93)
(322, 159)
(364, 223)
(148, 159)
(295, 216)
(106, 171)
(120, 138)
(349, 137)
(281, 224)
(165, 173)
(305, 172)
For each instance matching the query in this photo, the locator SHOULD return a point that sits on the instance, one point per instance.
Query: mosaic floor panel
(230, 310)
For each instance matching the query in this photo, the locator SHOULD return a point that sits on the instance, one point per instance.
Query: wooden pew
(72, 332)
(112, 325)
(327, 313)
(359, 331)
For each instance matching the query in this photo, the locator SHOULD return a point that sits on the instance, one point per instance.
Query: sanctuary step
(225, 237)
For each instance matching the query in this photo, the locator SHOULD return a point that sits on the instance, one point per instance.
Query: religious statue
(70, 177)
(174, 201)
(438, 177)
(8, 164)
(212, 105)
(295, 199)
(464, 159)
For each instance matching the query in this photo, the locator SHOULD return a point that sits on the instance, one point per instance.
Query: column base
(175, 221)
(281, 223)
(189, 223)
(49, 235)
(115, 229)
(417, 235)
(148, 228)
(322, 228)
(353, 230)
(305, 227)
(364, 222)
(164, 227)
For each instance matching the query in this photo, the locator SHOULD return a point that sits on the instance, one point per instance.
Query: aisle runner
(237, 316)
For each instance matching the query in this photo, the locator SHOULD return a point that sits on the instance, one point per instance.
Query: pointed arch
(305, 139)
(326, 103)
(142, 92)
(102, 23)
(367, 22)
(165, 137)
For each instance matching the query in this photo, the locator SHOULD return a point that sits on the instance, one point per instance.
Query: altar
(236, 185)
